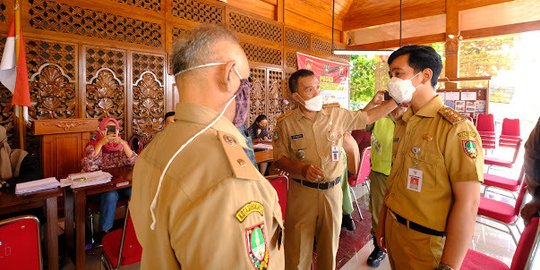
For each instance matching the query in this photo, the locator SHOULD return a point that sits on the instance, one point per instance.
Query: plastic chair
(475, 260)
(504, 183)
(121, 247)
(281, 184)
(502, 212)
(510, 127)
(509, 138)
(361, 176)
(485, 125)
(20, 243)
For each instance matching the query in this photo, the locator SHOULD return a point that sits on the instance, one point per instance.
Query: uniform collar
(429, 110)
(195, 113)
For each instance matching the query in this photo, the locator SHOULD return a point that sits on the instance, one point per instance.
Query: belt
(321, 185)
(415, 226)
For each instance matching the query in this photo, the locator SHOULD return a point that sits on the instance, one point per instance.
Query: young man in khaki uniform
(434, 186)
(201, 204)
(307, 144)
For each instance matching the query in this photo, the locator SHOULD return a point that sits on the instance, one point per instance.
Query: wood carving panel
(148, 106)
(198, 11)
(39, 52)
(153, 5)
(2, 11)
(64, 18)
(253, 27)
(257, 94)
(6, 109)
(148, 62)
(297, 39)
(105, 96)
(52, 93)
(177, 32)
(256, 53)
(291, 60)
(275, 97)
(97, 58)
(321, 46)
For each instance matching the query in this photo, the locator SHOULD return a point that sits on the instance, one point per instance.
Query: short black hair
(171, 113)
(293, 80)
(420, 58)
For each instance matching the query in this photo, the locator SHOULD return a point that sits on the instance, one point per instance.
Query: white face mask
(314, 104)
(401, 90)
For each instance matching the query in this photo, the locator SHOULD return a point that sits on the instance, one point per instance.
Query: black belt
(417, 227)
(321, 185)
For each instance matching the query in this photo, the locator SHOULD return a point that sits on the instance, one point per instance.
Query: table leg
(68, 213)
(80, 229)
(52, 232)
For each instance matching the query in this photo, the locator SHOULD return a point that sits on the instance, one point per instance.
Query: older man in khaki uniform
(434, 185)
(307, 144)
(198, 202)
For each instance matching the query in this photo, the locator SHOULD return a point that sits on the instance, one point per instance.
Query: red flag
(15, 78)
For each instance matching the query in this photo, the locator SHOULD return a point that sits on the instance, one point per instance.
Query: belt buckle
(319, 185)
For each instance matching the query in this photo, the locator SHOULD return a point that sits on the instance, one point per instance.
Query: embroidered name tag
(249, 208)
(297, 136)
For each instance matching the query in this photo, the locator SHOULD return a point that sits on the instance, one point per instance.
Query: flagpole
(21, 125)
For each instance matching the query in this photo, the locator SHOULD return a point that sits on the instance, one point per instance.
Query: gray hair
(197, 47)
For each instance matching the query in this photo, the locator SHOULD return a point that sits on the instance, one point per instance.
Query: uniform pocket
(298, 144)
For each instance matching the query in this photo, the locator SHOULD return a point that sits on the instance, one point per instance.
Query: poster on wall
(333, 77)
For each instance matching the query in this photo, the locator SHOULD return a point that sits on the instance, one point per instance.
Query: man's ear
(296, 97)
(228, 74)
(427, 75)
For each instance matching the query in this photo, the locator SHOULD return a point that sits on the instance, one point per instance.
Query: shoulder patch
(283, 116)
(237, 158)
(450, 115)
(331, 105)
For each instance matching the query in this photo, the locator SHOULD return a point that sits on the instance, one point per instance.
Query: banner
(333, 77)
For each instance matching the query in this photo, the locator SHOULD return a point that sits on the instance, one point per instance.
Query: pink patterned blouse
(105, 160)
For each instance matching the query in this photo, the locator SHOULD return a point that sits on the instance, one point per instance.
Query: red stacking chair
(501, 212)
(507, 184)
(281, 184)
(485, 124)
(509, 138)
(20, 243)
(121, 247)
(361, 176)
(475, 260)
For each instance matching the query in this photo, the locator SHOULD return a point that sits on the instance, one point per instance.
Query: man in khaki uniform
(307, 144)
(211, 208)
(434, 186)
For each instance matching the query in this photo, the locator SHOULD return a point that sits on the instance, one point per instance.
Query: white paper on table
(451, 96)
(468, 95)
(262, 146)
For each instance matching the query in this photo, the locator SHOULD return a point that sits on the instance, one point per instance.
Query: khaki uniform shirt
(296, 137)
(214, 210)
(446, 148)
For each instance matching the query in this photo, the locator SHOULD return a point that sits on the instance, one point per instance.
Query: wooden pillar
(452, 42)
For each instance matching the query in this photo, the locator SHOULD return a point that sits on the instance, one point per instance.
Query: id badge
(335, 153)
(414, 180)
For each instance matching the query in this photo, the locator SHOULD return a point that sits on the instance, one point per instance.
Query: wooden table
(10, 203)
(75, 209)
(264, 156)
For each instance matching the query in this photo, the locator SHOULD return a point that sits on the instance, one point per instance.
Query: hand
(378, 98)
(379, 236)
(312, 173)
(530, 210)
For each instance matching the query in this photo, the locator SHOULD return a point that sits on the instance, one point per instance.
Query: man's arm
(310, 172)
(380, 111)
(461, 222)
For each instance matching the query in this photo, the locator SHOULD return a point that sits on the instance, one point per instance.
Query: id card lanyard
(332, 137)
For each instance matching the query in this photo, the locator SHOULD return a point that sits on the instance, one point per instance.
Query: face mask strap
(199, 66)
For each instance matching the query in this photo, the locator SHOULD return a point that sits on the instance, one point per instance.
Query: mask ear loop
(154, 201)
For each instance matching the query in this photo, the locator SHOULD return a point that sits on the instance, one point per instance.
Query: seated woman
(258, 130)
(16, 165)
(258, 133)
(108, 150)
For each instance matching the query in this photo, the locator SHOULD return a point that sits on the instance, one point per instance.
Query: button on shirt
(310, 141)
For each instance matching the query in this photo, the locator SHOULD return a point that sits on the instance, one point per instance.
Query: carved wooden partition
(111, 58)
(62, 144)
